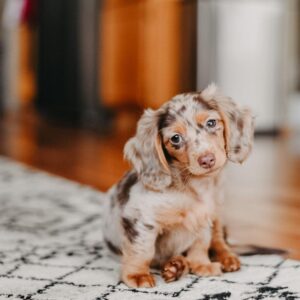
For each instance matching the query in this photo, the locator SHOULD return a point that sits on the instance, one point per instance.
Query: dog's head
(193, 133)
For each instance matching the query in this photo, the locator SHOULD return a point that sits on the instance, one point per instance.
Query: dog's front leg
(221, 251)
(138, 251)
(199, 262)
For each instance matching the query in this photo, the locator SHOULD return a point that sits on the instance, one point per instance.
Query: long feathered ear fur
(238, 121)
(144, 151)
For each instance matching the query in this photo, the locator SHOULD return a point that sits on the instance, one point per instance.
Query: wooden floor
(263, 194)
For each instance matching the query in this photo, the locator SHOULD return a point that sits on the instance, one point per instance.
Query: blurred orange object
(27, 73)
(27, 38)
(139, 52)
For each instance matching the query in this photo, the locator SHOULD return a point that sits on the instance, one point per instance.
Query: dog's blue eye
(211, 123)
(176, 139)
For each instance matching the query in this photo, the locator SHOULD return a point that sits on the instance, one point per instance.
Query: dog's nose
(207, 161)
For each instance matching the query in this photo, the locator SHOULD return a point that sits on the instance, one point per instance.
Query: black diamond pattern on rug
(51, 247)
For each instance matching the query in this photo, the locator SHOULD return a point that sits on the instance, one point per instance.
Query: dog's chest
(192, 209)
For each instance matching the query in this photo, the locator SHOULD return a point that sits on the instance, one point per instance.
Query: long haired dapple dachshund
(165, 212)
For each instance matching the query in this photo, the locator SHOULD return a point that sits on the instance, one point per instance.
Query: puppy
(165, 211)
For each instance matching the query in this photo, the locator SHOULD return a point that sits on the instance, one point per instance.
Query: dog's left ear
(238, 122)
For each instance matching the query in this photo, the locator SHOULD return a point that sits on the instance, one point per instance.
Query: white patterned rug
(51, 248)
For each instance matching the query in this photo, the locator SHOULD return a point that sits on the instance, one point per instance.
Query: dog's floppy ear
(144, 151)
(238, 122)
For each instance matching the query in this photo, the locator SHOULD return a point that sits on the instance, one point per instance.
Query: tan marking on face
(180, 154)
(201, 117)
(179, 127)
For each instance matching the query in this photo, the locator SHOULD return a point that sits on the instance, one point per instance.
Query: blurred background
(75, 76)
(77, 60)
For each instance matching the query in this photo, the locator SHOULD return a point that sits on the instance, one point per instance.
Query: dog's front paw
(212, 269)
(174, 269)
(229, 261)
(142, 280)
